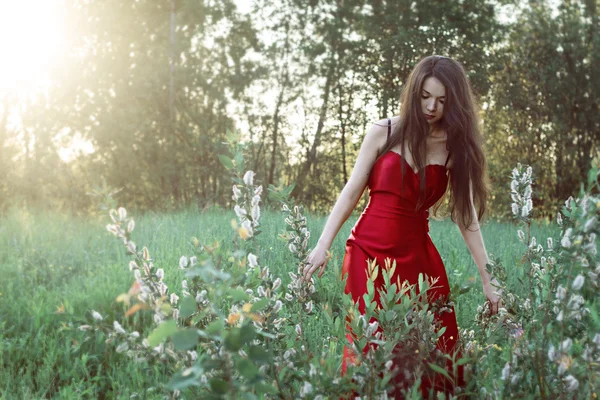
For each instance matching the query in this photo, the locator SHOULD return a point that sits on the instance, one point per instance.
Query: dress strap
(447, 158)
(389, 127)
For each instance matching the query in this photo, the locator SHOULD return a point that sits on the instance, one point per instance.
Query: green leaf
(226, 161)
(185, 339)
(162, 332)
(263, 388)
(188, 307)
(218, 385)
(186, 378)
(215, 327)
(258, 354)
(233, 340)
(247, 368)
(238, 294)
(439, 369)
(247, 333)
(259, 305)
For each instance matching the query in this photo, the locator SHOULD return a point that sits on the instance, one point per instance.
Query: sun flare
(31, 42)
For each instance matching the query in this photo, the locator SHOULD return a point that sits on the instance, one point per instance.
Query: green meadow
(55, 269)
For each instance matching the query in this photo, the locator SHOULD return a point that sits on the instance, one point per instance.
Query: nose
(431, 105)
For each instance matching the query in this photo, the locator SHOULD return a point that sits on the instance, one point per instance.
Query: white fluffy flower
(578, 282)
(236, 193)
(515, 208)
(252, 260)
(183, 262)
(590, 224)
(505, 372)
(119, 328)
(249, 178)
(550, 243)
(571, 382)
(174, 299)
(521, 235)
(240, 212)
(255, 213)
(96, 315)
(160, 274)
(306, 389)
(566, 345)
(514, 185)
(560, 292)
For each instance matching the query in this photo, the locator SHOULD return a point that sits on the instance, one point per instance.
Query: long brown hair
(464, 139)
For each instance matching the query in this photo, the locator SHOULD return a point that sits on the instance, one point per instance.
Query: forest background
(140, 94)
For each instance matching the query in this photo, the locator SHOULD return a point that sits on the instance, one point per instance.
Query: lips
(429, 116)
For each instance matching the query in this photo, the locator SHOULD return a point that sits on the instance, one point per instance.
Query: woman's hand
(490, 293)
(318, 258)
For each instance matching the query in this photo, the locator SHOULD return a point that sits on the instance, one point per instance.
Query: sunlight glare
(31, 42)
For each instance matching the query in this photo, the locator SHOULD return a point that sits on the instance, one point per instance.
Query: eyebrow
(441, 97)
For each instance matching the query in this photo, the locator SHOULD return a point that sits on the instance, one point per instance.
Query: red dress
(390, 227)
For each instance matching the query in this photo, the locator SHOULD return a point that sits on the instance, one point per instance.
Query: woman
(409, 162)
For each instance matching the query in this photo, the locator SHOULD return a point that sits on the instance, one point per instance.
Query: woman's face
(433, 97)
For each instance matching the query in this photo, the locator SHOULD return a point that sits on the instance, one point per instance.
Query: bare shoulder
(377, 133)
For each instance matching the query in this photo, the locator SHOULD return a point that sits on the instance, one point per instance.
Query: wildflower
(514, 186)
(276, 283)
(590, 224)
(525, 210)
(559, 219)
(298, 330)
(183, 262)
(277, 306)
(596, 340)
(122, 213)
(252, 260)
(515, 208)
(306, 389)
(240, 212)
(133, 265)
(533, 243)
(96, 315)
(571, 382)
(193, 261)
(289, 297)
(566, 345)
(565, 242)
(160, 274)
(85, 327)
(131, 247)
(527, 193)
(578, 282)
(130, 226)
(550, 244)
(249, 178)
(505, 372)
(122, 347)
(255, 213)
(247, 225)
(236, 193)
(261, 291)
(551, 352)
(293, 248)
(184, 284)
(560, 292)
(119, 328)
(309, 306)
(258, 190)
(521, 235)
(174, 299)
(193, 355)
(559, 317)
(134, 334)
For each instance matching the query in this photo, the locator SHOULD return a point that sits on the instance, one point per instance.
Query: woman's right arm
(374, 140)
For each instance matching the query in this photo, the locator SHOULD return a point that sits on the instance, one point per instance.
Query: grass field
(55, 269)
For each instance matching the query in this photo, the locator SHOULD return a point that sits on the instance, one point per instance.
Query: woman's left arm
(474, 241)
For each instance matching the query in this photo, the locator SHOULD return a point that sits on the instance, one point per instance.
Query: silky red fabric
(391, 227)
